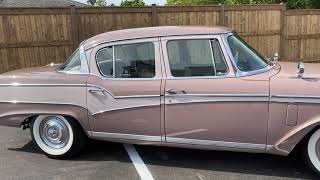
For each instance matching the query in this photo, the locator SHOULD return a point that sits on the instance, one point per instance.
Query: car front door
(206, 103)
(124, 90)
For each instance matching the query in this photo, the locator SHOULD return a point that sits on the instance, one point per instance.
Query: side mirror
(275, 57)
(300, 69)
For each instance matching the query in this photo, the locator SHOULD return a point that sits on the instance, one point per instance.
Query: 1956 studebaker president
(193, 87)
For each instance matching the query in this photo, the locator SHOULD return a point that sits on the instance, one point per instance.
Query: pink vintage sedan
(193, 87)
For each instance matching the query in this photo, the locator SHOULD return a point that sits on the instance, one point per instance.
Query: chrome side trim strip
(76, 85)
(122, 97)
(295, 99)
(126, 136)
(181, 140)
(206, 98)
(125, 108)
(137, 96)
(41, 85)
(100, 88)
(217, 143)
(222, 95)
(156, 78)
(269, 147)
(32, 102)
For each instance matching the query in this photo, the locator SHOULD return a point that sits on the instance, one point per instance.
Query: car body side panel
(212, 117)
(25, 93)
(127, 107)
(287, 90)
(130, 107)
(13, 114)
(219, 111)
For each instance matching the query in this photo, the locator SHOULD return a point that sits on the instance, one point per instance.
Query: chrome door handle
(96, 90)
(176, 91)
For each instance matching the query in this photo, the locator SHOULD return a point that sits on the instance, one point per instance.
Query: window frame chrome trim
(212, 56)
(127, 42)
(127, 79)
(208, 37)
(238, 72)
(98, 64)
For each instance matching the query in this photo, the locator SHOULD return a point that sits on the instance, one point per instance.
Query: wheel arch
(21, 114)
(27, 121)
(293, 140)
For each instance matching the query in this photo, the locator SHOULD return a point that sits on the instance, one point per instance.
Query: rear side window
(188, 58)
(76, 64)
(127, 61)
(73, 64)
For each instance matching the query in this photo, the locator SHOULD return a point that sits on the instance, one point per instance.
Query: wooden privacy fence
(37, 36)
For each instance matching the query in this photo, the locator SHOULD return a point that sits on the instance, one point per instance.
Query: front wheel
(312, 151)
(58, 137)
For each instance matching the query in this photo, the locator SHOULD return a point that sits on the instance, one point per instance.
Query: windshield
(245, 57)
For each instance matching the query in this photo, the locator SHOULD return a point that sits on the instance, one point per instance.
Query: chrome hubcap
(54, 132)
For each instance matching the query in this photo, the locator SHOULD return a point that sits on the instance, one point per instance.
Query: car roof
(146, 32)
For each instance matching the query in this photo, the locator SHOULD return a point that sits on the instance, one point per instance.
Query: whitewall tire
(57, 136)
(313, 151)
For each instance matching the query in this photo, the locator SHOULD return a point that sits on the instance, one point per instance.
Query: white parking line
(138, 163)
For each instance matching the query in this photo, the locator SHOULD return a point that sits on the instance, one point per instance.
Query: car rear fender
(14, 114)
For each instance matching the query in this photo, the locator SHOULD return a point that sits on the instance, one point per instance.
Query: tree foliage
(97, 2)
(292, 4)
(133, 3)
(101, 3)
(91, 2)
(192, 2)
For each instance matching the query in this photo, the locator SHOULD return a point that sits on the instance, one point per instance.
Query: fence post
(222, 15)
(154, 15)
(74, 27)
(283, 30)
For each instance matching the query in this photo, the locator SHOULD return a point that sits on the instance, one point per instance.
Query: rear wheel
(312, 151)
(58, 137)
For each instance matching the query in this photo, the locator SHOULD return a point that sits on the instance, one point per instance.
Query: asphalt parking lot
(19, 159)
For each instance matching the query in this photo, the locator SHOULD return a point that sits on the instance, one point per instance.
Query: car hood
(289, 70)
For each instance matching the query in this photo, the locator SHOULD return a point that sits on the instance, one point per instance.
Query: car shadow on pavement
(95, 151)
(233, 162)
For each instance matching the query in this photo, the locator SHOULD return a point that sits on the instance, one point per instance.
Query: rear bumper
(13, 120)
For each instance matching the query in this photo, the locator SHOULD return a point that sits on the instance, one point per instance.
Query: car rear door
(205, 103)
(124, 90)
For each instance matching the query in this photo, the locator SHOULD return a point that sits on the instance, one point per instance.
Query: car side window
(105, 61)
(127, 61)
(189, 58)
